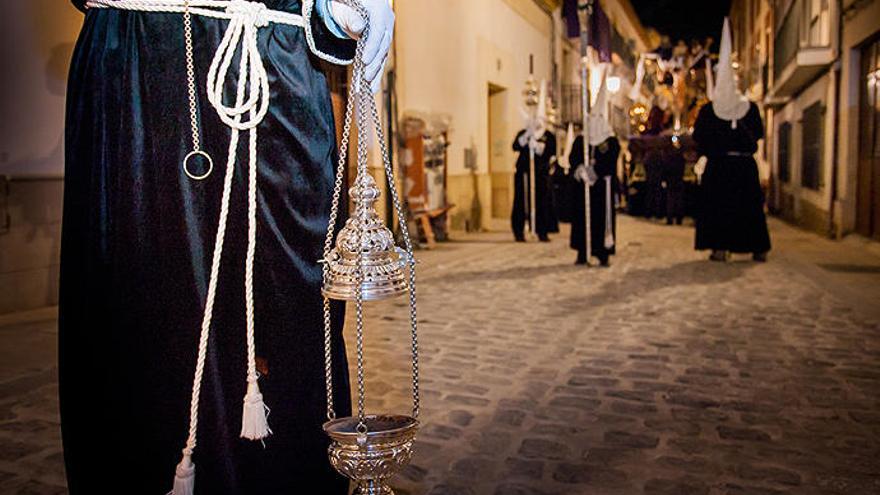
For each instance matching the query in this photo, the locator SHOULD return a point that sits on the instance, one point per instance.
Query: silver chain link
(328, 246)
(193, 109)
(191, 76)
(404, 230)
(363, 94)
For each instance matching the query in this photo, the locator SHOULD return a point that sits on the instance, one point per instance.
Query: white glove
(700, 166)
(381, 19)
(523, 138)
(538, 146)
(586, 174)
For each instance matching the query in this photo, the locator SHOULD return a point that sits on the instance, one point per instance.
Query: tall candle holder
(365, 264)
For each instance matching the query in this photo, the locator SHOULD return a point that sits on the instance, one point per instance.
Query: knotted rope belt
(251, 105)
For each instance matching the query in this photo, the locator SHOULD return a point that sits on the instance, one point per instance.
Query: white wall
(448, 52)
(36, 41)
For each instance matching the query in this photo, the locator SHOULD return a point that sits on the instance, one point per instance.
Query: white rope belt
(245, 20)
(250, 108)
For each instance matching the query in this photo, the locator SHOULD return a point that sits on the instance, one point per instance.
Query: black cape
(731, 211)
(605, 155)
(137, 244)
(545, 218)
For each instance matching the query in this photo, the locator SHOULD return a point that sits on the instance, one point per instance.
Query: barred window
(813, 138)
(783, 153)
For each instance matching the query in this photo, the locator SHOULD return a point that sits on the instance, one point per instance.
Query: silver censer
(364, 264)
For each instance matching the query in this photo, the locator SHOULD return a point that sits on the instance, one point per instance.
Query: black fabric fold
(137, 242)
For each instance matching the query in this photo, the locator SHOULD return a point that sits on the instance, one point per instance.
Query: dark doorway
(868, 213)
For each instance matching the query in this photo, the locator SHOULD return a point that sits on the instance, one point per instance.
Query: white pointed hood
(727, 101)
(600, 129)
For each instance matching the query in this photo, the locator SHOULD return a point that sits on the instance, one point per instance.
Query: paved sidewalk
(665, 374)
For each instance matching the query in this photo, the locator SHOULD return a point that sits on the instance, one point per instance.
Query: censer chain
(328, 246)
(360, 100)
(364, 95)
(411, 261)
(328, 241)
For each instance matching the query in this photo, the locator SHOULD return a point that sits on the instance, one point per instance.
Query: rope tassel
(254, 424)
(185, 477)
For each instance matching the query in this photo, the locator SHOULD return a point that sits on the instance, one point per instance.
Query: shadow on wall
(57, 67)
(39, 37)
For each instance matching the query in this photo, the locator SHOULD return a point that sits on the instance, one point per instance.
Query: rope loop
(246, 18)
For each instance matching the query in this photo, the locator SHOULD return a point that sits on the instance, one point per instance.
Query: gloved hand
(586, 174)
(538, 146)
(524, 138)
(700, 166)
(381, 19)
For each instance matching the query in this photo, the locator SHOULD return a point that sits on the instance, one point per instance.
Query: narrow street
(664, 374)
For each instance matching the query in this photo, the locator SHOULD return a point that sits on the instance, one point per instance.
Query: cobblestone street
(664, 374)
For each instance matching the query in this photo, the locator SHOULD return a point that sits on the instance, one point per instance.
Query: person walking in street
(601, 175)
(731, 216)
(543, 142)
(673, 183)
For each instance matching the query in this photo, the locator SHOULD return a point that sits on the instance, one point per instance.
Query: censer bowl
(371, 459)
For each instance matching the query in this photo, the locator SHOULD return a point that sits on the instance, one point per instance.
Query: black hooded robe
(605, 155)
(731, 213)
(545, 219)
(137, 242)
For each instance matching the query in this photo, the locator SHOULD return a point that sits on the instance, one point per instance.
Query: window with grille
(813, 136)
(783, 153)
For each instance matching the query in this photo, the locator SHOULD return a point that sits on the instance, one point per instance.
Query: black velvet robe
(137, 243)
(545, 218)
(605, 155)
(731, 212)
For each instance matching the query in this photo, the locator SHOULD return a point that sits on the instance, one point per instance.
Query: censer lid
(365, 236)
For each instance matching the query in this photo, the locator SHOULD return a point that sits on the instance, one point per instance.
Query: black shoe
(581, 259)
(604, 262)
(520, 238)
(760, 257)
(718, 255)
(668, 221)
(543, 238)
(679, 221)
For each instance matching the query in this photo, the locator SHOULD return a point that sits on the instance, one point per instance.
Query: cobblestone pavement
(664, 374)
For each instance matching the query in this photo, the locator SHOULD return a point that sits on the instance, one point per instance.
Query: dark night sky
(684, 19)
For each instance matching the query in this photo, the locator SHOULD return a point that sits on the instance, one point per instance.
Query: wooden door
(868, 212)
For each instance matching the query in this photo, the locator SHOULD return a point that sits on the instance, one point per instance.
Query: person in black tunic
(655, 193)
(605, 155)
(673, 183)
(545, 149)
(602, 175)
(136, 255)
(731, 216)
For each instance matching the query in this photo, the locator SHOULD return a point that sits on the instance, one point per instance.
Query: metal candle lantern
(531, 96)
(364, 264)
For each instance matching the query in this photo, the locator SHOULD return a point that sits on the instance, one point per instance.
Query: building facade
(468, 61)
(813, 64)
